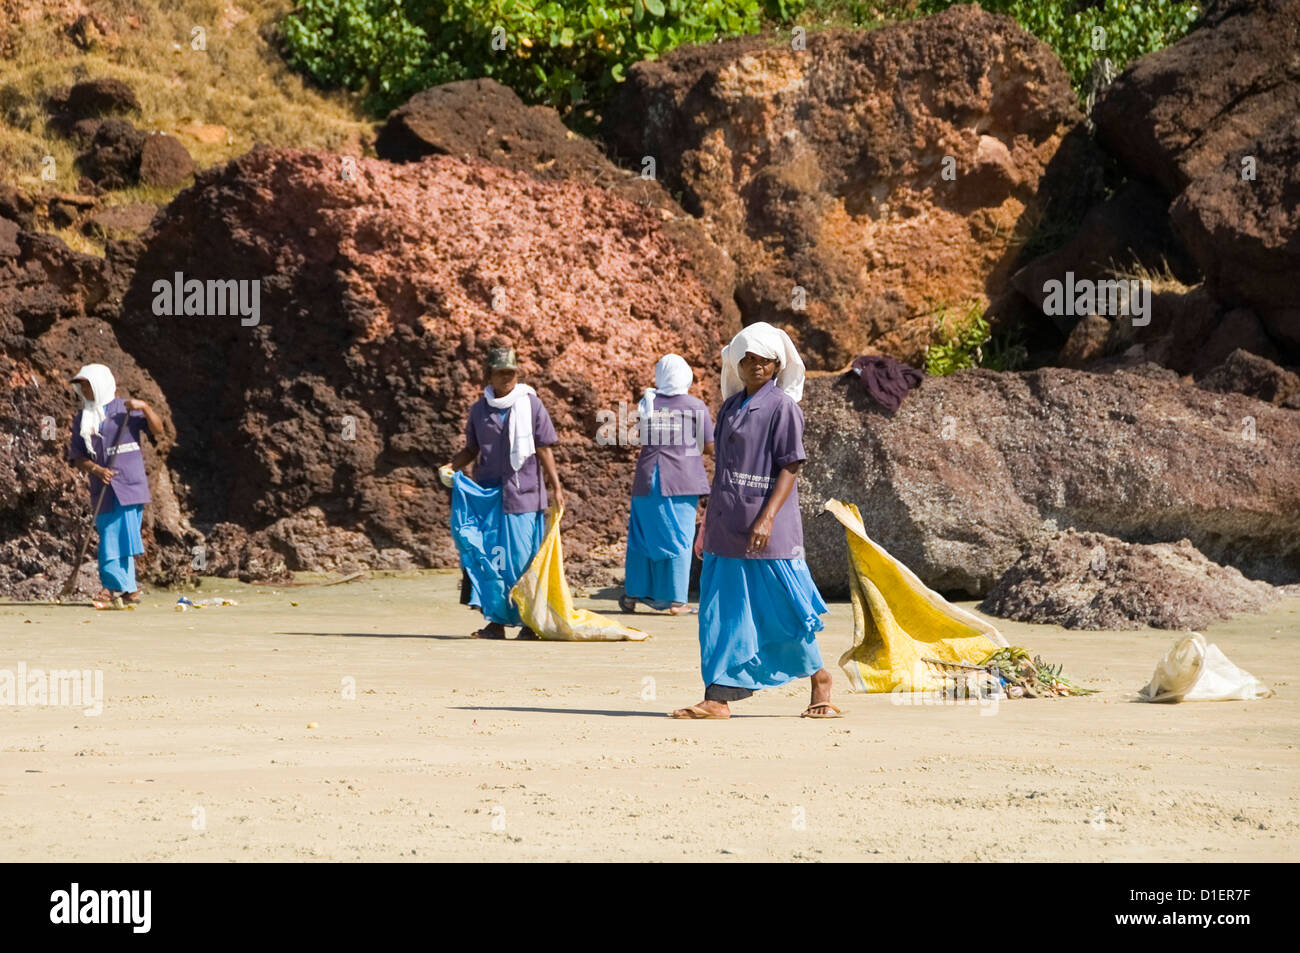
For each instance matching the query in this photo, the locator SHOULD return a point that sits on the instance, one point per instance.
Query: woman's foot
(627, 604)
(705, 709)
(680, 608)
(820, 706)
(493, 630)
(527, 635)
(132, 598)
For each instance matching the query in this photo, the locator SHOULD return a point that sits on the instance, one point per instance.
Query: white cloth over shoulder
(519, 421)
(104, 387)
(766, 341)
(673, 376)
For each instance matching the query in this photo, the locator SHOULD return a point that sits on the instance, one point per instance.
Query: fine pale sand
(459, 749)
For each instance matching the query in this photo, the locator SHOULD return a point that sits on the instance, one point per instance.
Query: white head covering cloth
(673, 376)
(519, 426)
(104, 387)
(766, 341)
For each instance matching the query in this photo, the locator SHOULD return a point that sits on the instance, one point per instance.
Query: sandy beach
(429, 745)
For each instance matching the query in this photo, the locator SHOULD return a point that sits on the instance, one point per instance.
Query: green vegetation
(970, 342)
(569, 54)
(959, 347)
(1129, 28)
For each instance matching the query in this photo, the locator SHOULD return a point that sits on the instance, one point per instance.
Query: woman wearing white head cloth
(675, 431)
(759, 606)
(106, 445)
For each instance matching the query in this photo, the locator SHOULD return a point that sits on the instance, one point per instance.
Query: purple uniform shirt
(753, 443)
(486, 432)
(131, 485)
(672, 440)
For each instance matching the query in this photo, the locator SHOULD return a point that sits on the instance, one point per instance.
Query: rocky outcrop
(976, 467)
(1214, 122)
(53, 304)
(481, 119)
(1093, 581)
(863, 181)
(381, 286)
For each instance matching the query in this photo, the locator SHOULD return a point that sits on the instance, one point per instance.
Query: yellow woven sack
(546, 605)
(898, 620)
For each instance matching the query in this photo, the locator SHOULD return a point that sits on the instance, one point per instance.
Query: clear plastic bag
(1196, 671)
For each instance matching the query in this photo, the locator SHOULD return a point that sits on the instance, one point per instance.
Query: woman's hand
(133, 404)
(558, 494)
(104, 473)
(761, 534)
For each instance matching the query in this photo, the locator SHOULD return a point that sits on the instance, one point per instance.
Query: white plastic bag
(1195, 671)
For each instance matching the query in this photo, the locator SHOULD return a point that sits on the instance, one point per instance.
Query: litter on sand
(184, 605)
(546, 604)
(899, 623)
(1197, 671)
(1025, 677)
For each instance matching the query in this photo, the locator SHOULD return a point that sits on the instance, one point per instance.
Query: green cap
(502, 359)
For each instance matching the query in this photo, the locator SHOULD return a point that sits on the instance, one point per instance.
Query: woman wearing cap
(508, 437)
(676, 430)
(105, 445)
(759, 606)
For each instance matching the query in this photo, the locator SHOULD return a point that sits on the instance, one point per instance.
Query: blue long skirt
(660, 533)
(119, 543)
(758, 622)
(495, 546)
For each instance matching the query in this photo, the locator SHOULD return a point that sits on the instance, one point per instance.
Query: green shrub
(569, 54)
(960, 346)
(1131, 28)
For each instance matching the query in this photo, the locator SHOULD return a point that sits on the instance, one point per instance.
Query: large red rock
(823, 168)
(382, 287)
(482, 119)
(977, 467)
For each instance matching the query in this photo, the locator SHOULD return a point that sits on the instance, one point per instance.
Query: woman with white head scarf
(105, 444)
(675, 430)
(759, 607)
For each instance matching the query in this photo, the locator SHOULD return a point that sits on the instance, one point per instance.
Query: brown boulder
(977, 466)
(113, 159)
(91, 99)
(164, 161)
(9, 247)
(1128, 231)
(1213, 121)
(381, 287)
(1093, 581)
(16, 205)
(132, 218)
(1087, 342)
(1258, 377)
(824, 169)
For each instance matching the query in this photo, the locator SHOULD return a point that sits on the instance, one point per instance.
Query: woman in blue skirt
(759, 609)
(675, 430)
(106, 445)
(499, 517)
